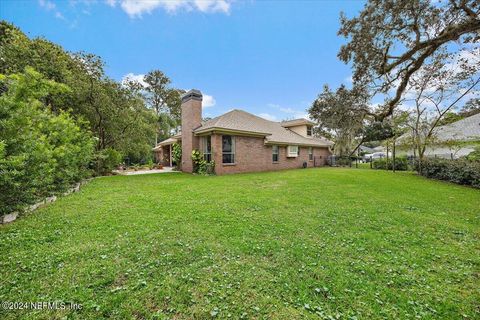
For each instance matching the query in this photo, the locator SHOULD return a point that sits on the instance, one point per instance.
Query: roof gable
(274, 132)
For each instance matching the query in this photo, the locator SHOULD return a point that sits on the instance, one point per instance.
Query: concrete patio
(144, 171)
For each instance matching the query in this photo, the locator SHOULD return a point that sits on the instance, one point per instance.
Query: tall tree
(164, 100)
(342, 113)
(116, 115)
(436, 90)
(391, 40)
(470, 108)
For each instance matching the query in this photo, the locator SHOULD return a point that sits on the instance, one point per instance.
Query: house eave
(283, 143)
(230, 132)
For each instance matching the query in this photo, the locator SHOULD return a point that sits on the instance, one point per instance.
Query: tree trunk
(393, 154)
(387, 156)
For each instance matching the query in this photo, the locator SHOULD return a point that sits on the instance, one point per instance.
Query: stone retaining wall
(14, 215)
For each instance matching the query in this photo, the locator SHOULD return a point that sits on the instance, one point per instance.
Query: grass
(315, 243)
(365, 165)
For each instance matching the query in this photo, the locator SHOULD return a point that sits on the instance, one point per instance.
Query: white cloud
(290, 112)
(135, 8)
(208, 101)
(48, 5)
(267, 116)
(111, 3)
(134, 77)
(59, 15)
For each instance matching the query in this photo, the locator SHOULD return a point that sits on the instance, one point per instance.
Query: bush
(475, 154)
(200, 165)
(343, 160)
(177, 155)
(401, 164)
(460, 171)
(41, 153)
(106, 160)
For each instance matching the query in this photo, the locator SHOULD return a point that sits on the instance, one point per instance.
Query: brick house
(241, 142)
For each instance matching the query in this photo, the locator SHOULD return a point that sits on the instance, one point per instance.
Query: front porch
(163, 152)
(163, 155)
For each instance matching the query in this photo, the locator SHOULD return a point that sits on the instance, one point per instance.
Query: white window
(309, 131)
(206, 145)
(275, 153)
(310, 153)
(292, 151)
(228, 149)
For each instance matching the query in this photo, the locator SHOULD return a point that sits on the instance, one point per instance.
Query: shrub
(200, 165)
(41, 153)
(177, 155)
(460, 171)
(475, 154)
(343, 160)
(106, 160)
(206, 167)
(401, 164)
(150, 164)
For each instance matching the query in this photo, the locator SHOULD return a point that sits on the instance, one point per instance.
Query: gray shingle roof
(467, 129)
(166, 142)
(274, 132)
(296, 122)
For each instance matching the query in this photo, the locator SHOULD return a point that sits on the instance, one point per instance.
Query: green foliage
(401, 164)
(449, 117)
(177, 154)
(390, 41)
(206, 168)
(470, 108)
(460, 171)
(107, 160)
(41, 153)
(475, 154)
(323, 243)
(150, 164)
(341, 112)
(115, 114)
(377, 131)
(164, 101)
(200, 165)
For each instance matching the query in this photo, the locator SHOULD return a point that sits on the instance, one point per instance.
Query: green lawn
(328, 242)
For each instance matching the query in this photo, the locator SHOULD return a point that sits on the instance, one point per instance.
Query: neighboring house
(241, 142)
(364, 149)
(453, 140)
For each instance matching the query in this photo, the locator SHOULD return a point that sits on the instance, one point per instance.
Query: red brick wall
(251, 154)
(191, 119)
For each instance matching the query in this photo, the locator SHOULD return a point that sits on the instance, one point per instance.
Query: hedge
(460, 171)
(41, 153)
(401, 164)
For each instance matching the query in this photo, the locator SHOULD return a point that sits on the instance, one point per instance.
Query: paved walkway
(144, 171)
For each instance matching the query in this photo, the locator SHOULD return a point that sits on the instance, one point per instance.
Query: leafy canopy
(393, 39)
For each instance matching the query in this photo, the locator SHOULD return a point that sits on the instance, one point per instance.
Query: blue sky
(270, 58)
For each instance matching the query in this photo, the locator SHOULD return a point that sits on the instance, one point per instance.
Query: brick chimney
(191, 119)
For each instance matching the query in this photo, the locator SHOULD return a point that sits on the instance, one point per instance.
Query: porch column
(170, 153)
